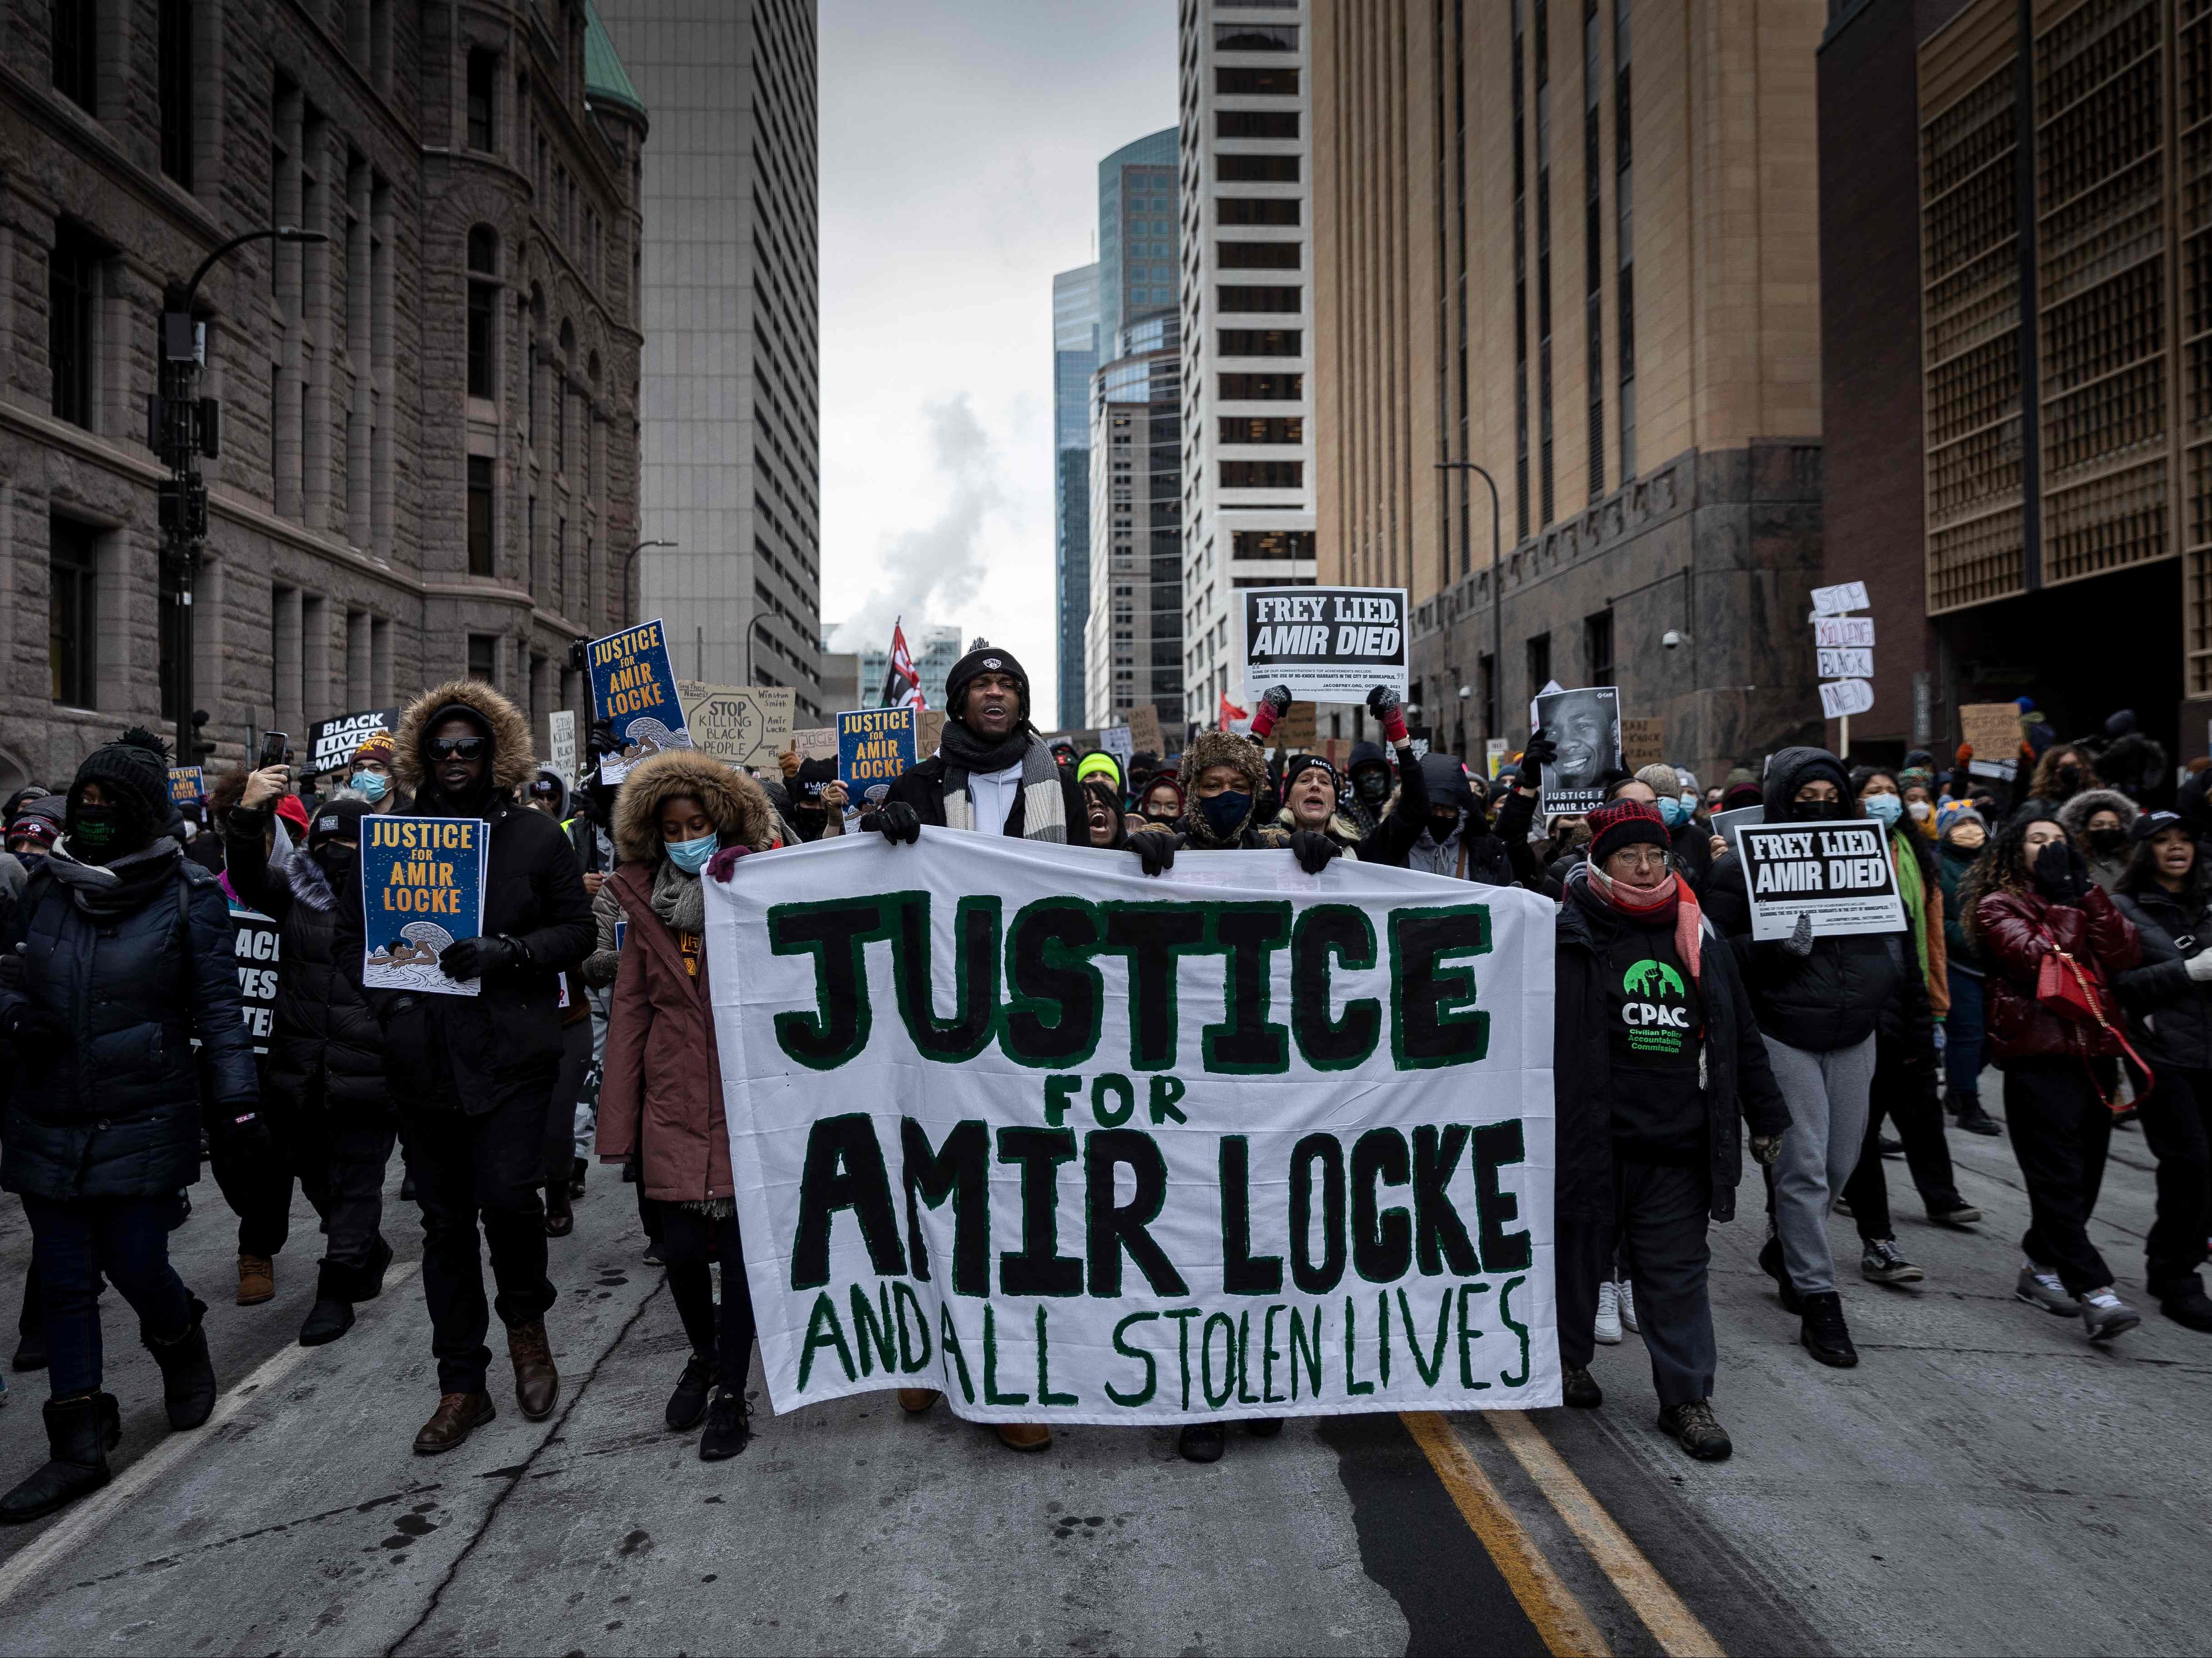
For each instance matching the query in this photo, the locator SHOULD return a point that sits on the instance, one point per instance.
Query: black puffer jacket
(2169, 1013)
(1833, 997)
(1739, 1083)
(326, 1040)
(112, 1109)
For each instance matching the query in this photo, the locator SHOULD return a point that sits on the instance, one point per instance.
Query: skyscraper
(731, 469)
(1137, 236)
(1074, 358)
(1248, 322)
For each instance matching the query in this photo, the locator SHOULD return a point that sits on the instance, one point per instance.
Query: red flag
(1227, 712)
(901, 685)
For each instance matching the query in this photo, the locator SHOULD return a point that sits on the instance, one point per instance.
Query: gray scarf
(1040, 809)
(117, 888)
(678, 899)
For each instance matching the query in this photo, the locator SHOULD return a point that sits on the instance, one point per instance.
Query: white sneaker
(2105, 1315)
(1608, 1314)
(1628, 1307)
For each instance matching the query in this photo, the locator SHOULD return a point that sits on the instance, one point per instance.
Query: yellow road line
(1673, 1624)
(1559, 1618)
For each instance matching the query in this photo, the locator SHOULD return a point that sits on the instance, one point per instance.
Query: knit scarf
(121, 888)
(678, 899)
(1043, 811)
(1679, 905)
(1912, 890)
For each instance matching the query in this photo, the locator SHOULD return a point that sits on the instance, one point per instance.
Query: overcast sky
(960, 149)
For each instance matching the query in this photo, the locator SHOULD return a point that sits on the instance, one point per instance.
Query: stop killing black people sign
(1838, 874)
(1239, 1143)
(1326, 644)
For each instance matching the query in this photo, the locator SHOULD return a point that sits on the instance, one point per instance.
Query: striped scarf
(1040, 809)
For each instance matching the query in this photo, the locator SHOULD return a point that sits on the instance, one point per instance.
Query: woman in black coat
(2167, 891)
(327, 1102)
(123, 961)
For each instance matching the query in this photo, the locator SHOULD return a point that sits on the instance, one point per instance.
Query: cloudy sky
(960, 149)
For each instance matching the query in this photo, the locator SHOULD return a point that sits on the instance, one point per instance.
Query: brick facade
(338, 565)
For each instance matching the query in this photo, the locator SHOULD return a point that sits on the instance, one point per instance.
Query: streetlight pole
(181, 428)
(1497, 597)
(629, 604)
(750, 631)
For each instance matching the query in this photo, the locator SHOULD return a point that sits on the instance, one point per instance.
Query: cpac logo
(1653, 978)
(1658, 983)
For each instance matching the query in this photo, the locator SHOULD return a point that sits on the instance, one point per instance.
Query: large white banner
(1014, 1121)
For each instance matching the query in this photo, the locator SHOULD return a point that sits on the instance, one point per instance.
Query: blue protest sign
(634, 690)
(875, 745)
(422, 888)
(187, 786)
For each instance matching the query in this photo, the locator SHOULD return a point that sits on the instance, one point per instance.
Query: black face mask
(2108, 842)
(337, 863)
(1813, 811)
(99, 831)
(1441, 829)
(2070, 779)
(1373, 785)
(1159, 814)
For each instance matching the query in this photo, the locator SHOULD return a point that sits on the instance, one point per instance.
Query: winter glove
(1274, 702)
(1965, 756)
(900, 823)
(1541, 752)
(2061, 874)
(472, 958)
(1154, 850)
(27, 1024)
(1764, 1148)
(723, 862)
(1389, 711)
(1313, 850)
(238, 1131)
(1799, 941)
(2199, 966)
(600, 740)
(11, 971)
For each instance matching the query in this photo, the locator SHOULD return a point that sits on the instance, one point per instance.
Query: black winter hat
(988, 658)
(135, 769)
(814, 776)
(1303, 763)
(339, 820)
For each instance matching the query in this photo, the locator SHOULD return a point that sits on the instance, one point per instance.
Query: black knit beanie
(133, 772)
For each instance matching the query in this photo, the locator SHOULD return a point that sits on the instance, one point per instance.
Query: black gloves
(239, 1129)
(11, 970)
(1389, 711)
(1541, 752)
(1154, 850)
(900, 824)
(471, 958)
(2061, 875)
(1313, 850)
(28, 1026)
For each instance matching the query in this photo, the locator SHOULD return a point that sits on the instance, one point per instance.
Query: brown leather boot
(457, 1416)
(257, 1280)
(1025, 1436)
(536, 1383)
(915, 1400)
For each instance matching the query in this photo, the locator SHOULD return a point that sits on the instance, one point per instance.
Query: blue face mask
(1225, 812)
(370, 784)
(690, 856)
(1674, 813)
(1884, 809)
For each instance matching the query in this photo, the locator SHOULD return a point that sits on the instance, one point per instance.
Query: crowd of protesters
(2058, 916)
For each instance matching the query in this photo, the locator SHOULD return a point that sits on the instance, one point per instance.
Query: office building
(1074, 360)
(1133, 638)
(840, 681)
(2019, 360)
(1546, 243)
(732, 468)
(1248, 323)
(428, 437)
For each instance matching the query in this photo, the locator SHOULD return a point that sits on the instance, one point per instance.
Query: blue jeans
(1966, 1038)
(73, 1245)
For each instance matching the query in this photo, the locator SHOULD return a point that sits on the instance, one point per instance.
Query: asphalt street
(1984, 1482)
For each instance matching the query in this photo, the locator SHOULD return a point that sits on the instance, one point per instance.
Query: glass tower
(1074, 358)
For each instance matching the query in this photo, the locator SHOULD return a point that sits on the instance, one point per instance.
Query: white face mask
(1921, 810)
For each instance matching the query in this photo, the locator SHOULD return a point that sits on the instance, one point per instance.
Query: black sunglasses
(456, 748)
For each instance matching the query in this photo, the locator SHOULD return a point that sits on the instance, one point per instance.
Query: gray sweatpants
(1827, 1095)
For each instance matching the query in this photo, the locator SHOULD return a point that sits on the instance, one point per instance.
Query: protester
(121, 960)
(2167, 894)
(1370, 775)
(1162, 802)
(1818, 1002)
(817, 799)
(1905, 1087)
(471, 1074)
(1647, 1131)
(1104, 823)
(661, 1096)
(1456, 839)
(1316, 799)
(1962, 837)
(33, 828)
(325, 1096)
(1916, 785)
(2031, 900)
(1688, 839)
(2064, 770)
(2097, 823)
(368, 776)
(2130, 761)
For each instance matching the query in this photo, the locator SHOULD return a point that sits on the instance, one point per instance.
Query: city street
(1984, 1482)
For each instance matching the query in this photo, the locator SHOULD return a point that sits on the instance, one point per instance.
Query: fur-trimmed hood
(513, 754)
(2074, 817)
(738, 806)
(1223, 748)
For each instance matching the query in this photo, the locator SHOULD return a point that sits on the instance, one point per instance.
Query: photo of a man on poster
(1584, 726)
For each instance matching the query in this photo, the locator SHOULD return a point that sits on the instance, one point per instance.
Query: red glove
(1966, 753)
(1389, 711)
(1274, 702)
(724, 861)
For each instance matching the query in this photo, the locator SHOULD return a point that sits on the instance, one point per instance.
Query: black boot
(689, 1402)
(727, 1430)
(1771, 1263)
(576, 1171)
(1579, 1388)
(1966, 1111)
(80, 1433)
(187, 1373)
(1825, 1335)
(1202, 1441)
(560, 1218)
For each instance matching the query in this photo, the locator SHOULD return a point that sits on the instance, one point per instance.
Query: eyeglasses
(1641, 858)
(457, 748)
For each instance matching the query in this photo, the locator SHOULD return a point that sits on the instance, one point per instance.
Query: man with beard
(471, 1073)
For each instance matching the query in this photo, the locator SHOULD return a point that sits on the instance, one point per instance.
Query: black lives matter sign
(1838, 874)
(1326, 644)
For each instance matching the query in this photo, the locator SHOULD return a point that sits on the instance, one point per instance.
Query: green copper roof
(605, 77)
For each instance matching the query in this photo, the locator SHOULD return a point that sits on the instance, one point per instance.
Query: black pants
(482, 1167)
(74, 1245)
(2177, 1122)
(1904, 1091)
(1659, 1228)
(2059, 1130)
(561, 1103)
(337, 1154)
(690, 1240)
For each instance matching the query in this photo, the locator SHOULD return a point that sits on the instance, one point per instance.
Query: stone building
(430, 453)
(1574, 244)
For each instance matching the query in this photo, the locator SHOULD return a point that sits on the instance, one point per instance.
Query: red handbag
(2064, 988)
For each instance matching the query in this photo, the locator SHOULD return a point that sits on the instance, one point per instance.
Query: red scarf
(1671, 899)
